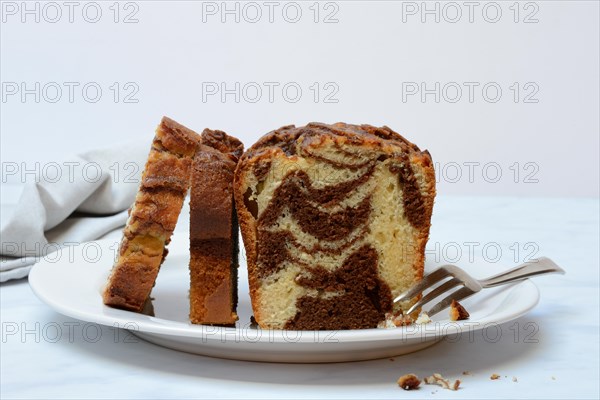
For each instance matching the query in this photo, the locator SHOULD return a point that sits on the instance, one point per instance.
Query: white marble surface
(88, 361)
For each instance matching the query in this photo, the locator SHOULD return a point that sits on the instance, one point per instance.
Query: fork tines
(458, 278)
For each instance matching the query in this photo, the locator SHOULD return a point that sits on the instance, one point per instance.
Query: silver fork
(470, 285)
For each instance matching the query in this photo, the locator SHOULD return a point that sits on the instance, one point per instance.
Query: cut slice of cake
(334, 219)
(165, 182)
(214, 231)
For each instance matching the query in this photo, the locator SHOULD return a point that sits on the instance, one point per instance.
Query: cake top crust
(287, 137)
(176, 138)
(218, 150)
(223, 143)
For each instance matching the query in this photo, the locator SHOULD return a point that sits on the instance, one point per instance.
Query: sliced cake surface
(334, 219)
(214, 231)
(152, 218)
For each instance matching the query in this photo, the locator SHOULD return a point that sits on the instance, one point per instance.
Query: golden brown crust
(166, 170)
(225, 144)
(214, 231)
(176, 138)
(153, 216)
(425, 161)
(154, 212)
(286, 137)
(247, 227)
(285, 141)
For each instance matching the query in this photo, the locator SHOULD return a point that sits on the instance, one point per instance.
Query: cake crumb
(409, 382)
(423, 319)
(467, 373)
(494, 377)
(515, 379)
(458, 312)
(397, 319)
(438, 379)
(394, 320)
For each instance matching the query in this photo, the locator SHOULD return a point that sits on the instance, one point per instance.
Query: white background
(371, 54)
(372, 49)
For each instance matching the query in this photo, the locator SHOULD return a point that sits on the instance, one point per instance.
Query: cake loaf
(334, 219)
(214, 231)
(165, 182)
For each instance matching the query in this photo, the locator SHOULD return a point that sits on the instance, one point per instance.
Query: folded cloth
(78, 200)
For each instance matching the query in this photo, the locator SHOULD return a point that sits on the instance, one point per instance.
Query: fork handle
(539, 266)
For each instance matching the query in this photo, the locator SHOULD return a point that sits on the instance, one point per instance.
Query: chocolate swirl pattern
(334, 219)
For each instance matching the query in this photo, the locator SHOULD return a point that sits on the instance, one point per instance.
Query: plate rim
(160, 326)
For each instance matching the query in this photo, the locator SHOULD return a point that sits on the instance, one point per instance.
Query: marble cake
(334, 219)
(214, 231)
(164, 185)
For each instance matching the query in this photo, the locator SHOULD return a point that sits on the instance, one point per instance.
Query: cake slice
(214, 231)
(334, 219)
(165, 182)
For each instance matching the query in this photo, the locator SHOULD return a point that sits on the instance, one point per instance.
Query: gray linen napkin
(79, 200)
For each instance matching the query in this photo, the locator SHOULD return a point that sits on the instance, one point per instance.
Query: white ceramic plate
(70, 281)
